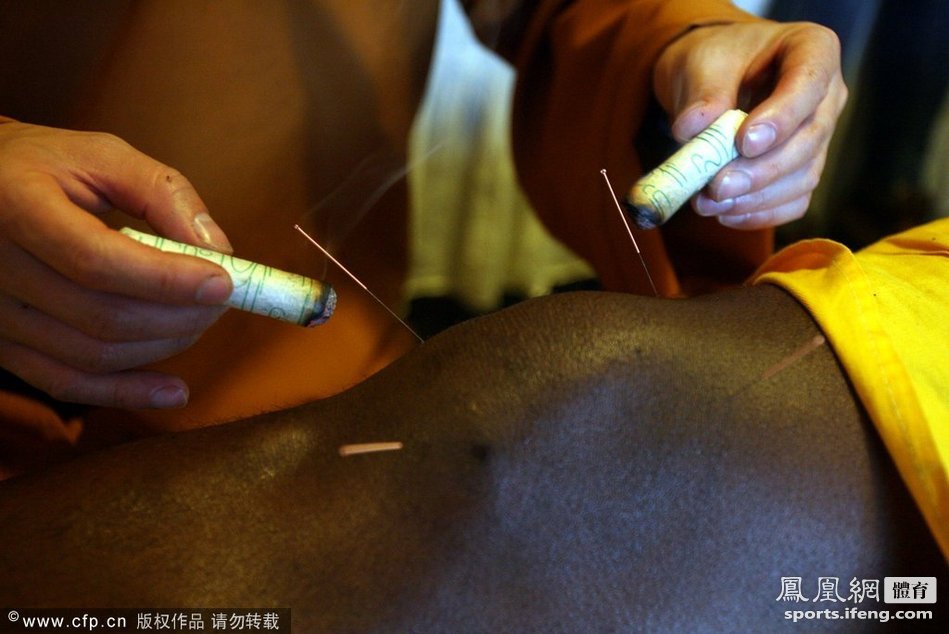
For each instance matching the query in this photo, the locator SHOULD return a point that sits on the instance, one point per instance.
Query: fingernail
(734, 222)
(735, 183)
(705, 206)
(214, 290)
(211, 234)
(758, 139)
(169, 397)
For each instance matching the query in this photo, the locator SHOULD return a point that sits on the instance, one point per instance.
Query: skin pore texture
(587, 461)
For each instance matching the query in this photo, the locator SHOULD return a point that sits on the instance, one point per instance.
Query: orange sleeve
(584, 84)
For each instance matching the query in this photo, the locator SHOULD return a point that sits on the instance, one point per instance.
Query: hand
(81, 304)
(787, 77)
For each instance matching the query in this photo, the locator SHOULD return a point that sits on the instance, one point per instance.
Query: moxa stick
(259, 289)
(660, 193)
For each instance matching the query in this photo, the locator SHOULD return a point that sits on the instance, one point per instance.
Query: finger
(802, 157)
(702, 100)
(100, 315)
(131, 389)
(791, 187)
(808, 59)
(145, 188)
(80, 247)
(25, 325)
(782, 214)
(695, 82)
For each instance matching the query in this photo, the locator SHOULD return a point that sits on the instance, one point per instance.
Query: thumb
(148, 189)
(697, 116)
(706, 93)
(695, 86)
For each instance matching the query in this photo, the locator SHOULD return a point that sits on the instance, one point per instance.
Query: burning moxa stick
(660, 193)
(259, 289)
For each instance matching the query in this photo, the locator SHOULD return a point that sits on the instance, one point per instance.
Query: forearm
(585, 74)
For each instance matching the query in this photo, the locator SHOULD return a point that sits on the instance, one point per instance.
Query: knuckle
(78, 387)
(843, 94)
(790, 212)
(110, 319)
(761, 219)
(108, 325)
(773, 170)
(166, 284)
(104, 145)
(88, 266)
(105, 141)
(800, 207)
(764, 171)
(821, 36)
(119, 396)
(750, 203)
(812, 178)
(824, 66)
(63, 389)
(829, 37)
(104, 357)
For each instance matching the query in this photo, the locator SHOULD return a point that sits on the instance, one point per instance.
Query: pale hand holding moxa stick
(259, 289)
(660, 193)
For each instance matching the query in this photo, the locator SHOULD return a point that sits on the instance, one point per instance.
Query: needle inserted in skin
(816, 342)
(368, 447)
(356, 279)
(629, 231)
(793, 357)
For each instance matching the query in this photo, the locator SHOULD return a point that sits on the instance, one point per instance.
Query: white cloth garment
(474, 235)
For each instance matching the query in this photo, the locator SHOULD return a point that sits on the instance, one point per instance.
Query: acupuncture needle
(356, 449)
(629, 231)
(356, 279)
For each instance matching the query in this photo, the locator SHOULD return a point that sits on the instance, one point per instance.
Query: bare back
(588, 462)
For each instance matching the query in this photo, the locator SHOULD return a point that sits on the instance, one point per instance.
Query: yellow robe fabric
(884, 310)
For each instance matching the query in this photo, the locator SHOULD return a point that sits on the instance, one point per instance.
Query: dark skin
(586, 462)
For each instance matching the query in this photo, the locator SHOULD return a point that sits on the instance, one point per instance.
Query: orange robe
(298, 112)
